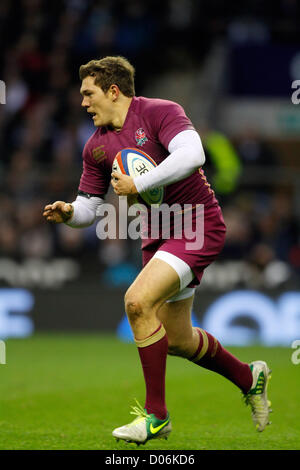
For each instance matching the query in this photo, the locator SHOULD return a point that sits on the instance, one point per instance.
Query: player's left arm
(186, 156)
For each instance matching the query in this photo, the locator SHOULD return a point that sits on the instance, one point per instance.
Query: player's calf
(182, 347)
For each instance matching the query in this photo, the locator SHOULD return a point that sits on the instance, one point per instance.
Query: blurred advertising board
(227, 305)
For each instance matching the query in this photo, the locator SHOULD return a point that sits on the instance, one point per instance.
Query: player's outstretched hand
(58, 212)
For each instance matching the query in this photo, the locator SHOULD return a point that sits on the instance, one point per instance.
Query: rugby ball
(135, 162)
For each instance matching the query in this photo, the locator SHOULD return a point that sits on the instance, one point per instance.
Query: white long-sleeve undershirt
(186, 155)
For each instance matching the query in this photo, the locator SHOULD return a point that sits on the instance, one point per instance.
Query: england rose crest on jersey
(140, 136)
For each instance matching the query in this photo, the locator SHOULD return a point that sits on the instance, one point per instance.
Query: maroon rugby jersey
(150, 125)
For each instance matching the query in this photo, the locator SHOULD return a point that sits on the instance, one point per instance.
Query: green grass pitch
(70, 391)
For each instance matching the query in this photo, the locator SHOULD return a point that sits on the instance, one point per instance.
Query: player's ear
(114, 92)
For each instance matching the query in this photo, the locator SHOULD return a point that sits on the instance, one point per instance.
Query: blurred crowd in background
(43, 128)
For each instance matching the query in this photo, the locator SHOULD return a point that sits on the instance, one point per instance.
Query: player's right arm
(79, 214)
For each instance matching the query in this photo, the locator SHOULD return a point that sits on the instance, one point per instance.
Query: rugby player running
(159, 302)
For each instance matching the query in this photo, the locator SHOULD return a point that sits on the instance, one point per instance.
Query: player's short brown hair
(111, 70)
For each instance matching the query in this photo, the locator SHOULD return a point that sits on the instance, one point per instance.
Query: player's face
(96, 102)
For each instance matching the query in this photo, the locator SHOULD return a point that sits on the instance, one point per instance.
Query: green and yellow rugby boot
(257, 395)
(144, 427)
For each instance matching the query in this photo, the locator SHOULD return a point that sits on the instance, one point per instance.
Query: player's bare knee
(138, 302)
(134, 306)
(140, 307)
(133, 310)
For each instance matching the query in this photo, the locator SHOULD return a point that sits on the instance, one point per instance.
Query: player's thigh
(157, 282)
(176, 318)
